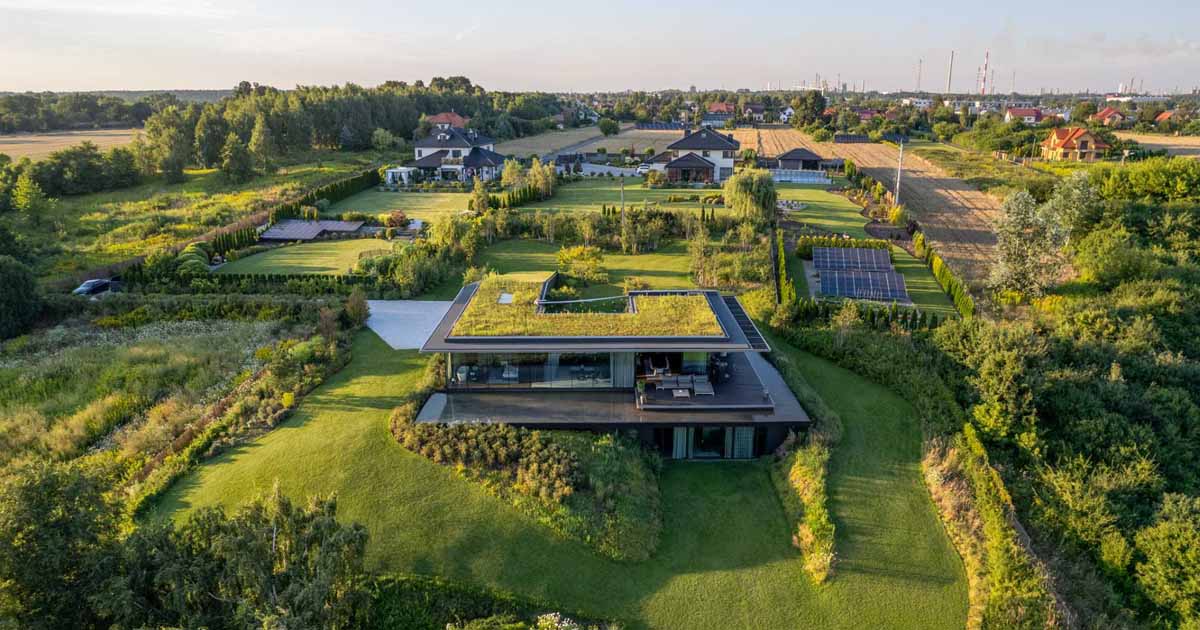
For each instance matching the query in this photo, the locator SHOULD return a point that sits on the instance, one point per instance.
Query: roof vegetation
(656, 316)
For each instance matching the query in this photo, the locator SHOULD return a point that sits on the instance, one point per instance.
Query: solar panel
(883, 286)
(851, 259)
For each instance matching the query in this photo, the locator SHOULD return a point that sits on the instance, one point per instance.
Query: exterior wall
(718, 160)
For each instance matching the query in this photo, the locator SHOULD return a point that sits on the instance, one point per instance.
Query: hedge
(805, 244)
(950, 283)
(332, 192)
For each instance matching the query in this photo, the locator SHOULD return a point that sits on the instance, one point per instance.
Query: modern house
(1109, 117)
(702, 156)
(457, 154)
(680, 370)
(1072, 144)
(1027, 115)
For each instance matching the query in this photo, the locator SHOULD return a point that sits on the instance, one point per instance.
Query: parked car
(93, 287)
(643, 168)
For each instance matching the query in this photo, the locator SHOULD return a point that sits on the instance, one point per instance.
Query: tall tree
(19, 302)
(1027, 245)
(262, 145)
(479, 197)
(752, 196)
(211, 130)
(169, 140)
(236, 162)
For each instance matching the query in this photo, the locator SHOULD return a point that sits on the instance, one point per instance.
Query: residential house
(679, 370)
(1109, 117)
(453, 153)
(1072, 144)
(702, 156)
(1027, 115)
(918, 103)
(799, 159)
(1165, 116)
(722, 108)
(755, 111)
(447, 120)
(715, 121)
(787, 114)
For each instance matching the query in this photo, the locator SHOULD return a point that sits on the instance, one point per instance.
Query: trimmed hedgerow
(805, 244)
(950, 283)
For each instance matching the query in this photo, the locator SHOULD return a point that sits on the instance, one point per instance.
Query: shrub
(805, 244)
(19, 300)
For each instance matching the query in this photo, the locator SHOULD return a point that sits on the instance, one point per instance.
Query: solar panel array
(851, 259)
(884, 286)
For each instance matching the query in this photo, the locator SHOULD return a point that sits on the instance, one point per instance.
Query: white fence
(788, 176)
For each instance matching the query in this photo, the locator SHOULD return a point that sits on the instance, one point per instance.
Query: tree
(1028, 251)
(236, 163)
(169, 142)
(1082, 111)
(356, 307)
(120, 168)
(945, 130)
(583, 263)
(28, 198)
(211, 130)
(1110, 257)
(262, 145)
(1073, 204)
(513, 175)
(609, 127)
(752, 196)
(809, 107)
(382, 140)
(479, 196)
(57, 524)
(19, 301)
(1170, 573)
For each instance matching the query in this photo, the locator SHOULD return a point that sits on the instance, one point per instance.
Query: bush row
(950, 283)
(419, 602)
(331, 192)
(128, 309)
(805, 244)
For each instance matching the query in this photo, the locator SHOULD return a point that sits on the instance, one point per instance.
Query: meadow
(36, 146)
(725, 558)
(426, 206)
(88, 231)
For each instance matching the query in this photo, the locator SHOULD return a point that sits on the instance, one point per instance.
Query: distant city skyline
(73, 45)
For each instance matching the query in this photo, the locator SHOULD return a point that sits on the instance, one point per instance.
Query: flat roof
(732, 337)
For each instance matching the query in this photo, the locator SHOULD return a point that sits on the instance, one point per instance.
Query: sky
(77, 45)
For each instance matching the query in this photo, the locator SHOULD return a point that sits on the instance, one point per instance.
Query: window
(728, 155)
(1083, 145)
(704, 153)
(455, 153)
(529, 371)
(418, 153)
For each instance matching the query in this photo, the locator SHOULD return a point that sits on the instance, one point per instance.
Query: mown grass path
(725, 559)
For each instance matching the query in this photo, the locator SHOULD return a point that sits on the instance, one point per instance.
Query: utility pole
(919, 61)
(899, 170)
(622, 199)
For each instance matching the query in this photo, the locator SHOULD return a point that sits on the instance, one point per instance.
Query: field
(547, 143)
(956, 217)
(637, 140)
(1186, 146)
(90, 231)
(321, 257)
(725, 559)
(424, 206)
(36, 146)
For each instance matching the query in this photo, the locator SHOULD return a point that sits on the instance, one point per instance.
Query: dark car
(92, 287)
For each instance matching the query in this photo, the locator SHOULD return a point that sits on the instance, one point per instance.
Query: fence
(662, 126)
(851, 138)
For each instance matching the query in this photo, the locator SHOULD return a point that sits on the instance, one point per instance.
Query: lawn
(667, 268)
(725, 559)
(323, 257)
(422, 205)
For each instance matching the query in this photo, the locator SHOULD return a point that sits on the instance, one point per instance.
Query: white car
(643, 168)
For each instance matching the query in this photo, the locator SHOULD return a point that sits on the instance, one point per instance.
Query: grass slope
(323, 257)
(724, 561)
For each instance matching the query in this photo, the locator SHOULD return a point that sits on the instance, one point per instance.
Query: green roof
(677, 315)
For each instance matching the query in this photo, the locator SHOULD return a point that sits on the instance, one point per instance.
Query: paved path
(405, 324)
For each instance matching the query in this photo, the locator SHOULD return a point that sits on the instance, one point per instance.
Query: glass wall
(530, 371)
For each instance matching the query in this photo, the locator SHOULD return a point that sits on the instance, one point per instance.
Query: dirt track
(956, 217)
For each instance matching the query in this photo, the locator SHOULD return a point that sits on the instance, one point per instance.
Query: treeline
(50, 111)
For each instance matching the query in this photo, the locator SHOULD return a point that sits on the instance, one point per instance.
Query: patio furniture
(510, 373)
(704, 388)
(681, 393)
(460, 375)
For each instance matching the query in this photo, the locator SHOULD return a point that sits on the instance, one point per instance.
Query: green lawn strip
(321, 257)
(426, 206)
(725, 558)
(589, 194)
(795, 271)
(922, 287)
(892, 550)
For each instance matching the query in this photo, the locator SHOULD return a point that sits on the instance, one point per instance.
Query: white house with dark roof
(458, 154)
(703, 156)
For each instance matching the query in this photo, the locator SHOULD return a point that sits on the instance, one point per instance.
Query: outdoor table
(681, 393)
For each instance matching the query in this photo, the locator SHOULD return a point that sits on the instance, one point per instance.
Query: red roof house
(449, 119)
(722, 108)
(1109, 116)
(1073, 144)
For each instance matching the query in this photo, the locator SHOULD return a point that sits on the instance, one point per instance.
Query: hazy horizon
(72, 45)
